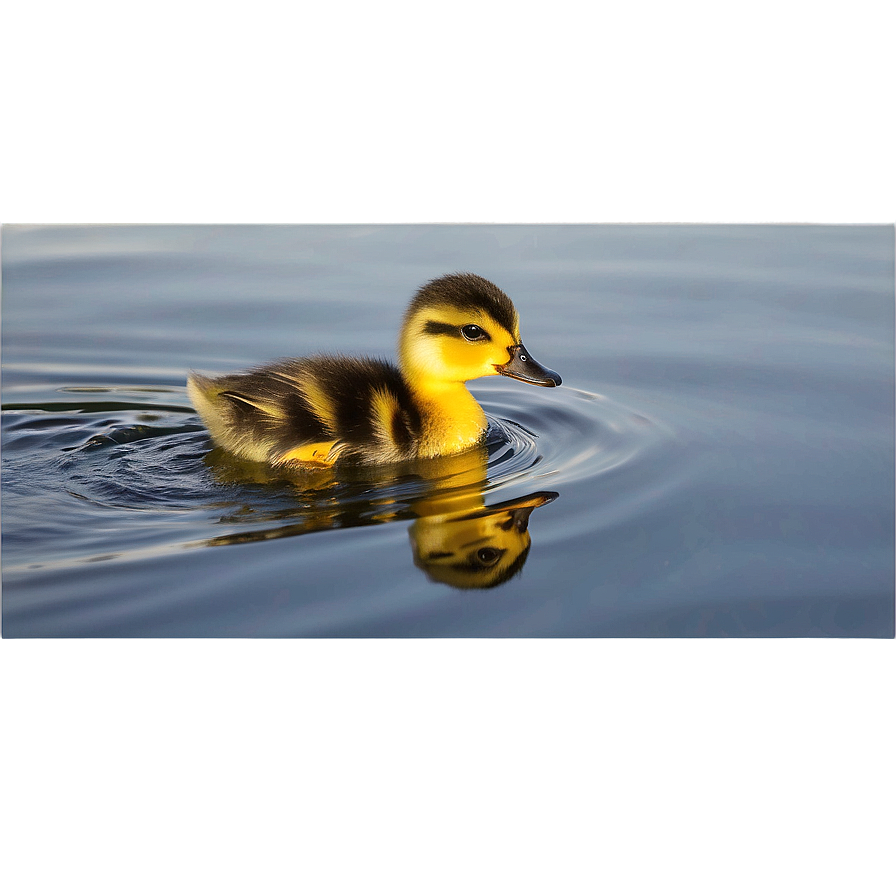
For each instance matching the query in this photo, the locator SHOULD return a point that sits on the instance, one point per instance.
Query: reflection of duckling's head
(479, 549)
(461, 327)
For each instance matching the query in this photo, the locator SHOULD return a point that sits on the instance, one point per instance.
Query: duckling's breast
(451, 420)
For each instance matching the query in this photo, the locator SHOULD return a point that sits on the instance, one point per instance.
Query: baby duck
(315, 411)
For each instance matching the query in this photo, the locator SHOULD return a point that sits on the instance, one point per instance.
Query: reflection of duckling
(455, 537)
(317, 410)
(480, 549)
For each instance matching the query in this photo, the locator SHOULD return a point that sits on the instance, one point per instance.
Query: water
(718, 462)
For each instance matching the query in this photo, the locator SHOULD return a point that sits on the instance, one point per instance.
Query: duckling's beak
(522, 366)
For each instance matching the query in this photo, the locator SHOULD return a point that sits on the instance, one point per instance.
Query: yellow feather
(321, 403)
(383, 406)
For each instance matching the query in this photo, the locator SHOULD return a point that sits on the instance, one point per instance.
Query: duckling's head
(460, 327)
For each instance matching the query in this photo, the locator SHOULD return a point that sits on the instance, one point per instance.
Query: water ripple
(143, 453)
(565, 436)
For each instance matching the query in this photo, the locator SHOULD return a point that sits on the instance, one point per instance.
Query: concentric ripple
(559, 437)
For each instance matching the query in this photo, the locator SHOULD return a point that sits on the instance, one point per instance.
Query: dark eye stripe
(437, 328)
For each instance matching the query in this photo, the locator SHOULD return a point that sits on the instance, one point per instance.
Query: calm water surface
(718, 462)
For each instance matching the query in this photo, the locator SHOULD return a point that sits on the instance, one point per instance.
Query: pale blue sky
(447, 111)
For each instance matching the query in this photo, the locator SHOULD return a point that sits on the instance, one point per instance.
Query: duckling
(319, 410)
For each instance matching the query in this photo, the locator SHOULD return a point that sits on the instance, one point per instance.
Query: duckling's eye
(472, 333)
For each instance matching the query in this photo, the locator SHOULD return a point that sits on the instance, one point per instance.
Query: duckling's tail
(223, 413)
(205, 396)
(201, 391)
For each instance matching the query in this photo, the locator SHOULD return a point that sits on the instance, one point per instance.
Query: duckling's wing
(246, 401)
(366, 405)
(311, 410)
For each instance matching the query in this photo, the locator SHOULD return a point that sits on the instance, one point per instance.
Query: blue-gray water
(719, 460)
(721, 452)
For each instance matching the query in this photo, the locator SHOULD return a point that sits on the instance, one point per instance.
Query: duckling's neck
(451, 419)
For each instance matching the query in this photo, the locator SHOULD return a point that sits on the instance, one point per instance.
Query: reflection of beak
(521, 509)
(522, 366)
(536, 499)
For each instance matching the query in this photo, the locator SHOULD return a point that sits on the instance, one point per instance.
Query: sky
(492, 112)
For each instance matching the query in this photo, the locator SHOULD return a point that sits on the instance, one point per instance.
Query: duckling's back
(311, 410)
